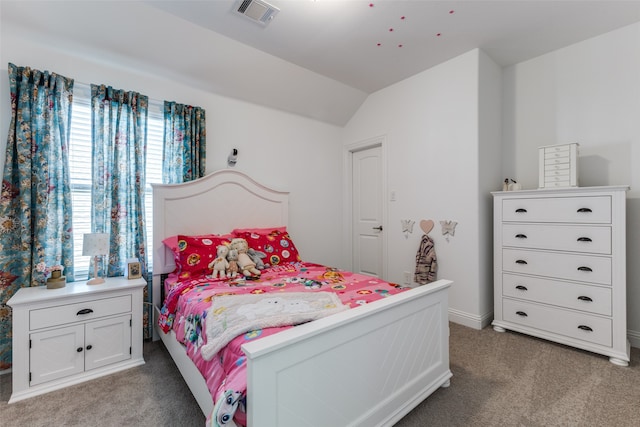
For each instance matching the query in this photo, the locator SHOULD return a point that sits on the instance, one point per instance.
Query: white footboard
(367, 366)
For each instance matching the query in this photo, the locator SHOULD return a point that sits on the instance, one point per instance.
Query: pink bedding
(185, 308)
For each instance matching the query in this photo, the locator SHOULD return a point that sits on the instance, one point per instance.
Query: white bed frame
(366, 366)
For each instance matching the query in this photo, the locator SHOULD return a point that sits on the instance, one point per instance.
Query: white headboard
(216, 203)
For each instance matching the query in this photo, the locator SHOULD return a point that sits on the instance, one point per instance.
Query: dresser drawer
(582, 268)
(557, 183)
(557, 167)
(554, 150)
(592, 299)
(557, 173)
(571, 324)
(69, 313)
(581, 238)
(558, 209)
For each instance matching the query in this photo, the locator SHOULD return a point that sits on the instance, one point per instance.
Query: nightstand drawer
(579, 238)
(69, 313)
(558, 209)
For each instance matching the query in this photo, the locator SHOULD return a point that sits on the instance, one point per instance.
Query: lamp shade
(95, 244)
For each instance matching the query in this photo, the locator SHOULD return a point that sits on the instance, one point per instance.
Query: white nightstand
(66, 336)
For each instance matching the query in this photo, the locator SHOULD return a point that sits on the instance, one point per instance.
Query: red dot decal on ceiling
(370, 4)
(390, 29)
(402, 18)
(438, 35)
(451, 12)
(399, 45)
(379, 44)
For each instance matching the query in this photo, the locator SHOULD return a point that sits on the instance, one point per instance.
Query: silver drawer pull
(520, 210)
(521, 261)
(522, 314)
(521, 288)
(584, 239)
(585, 328)
(586, 299)
(585, 269)
(521, 236)
(584, 210)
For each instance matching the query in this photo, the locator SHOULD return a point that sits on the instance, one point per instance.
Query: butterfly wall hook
(407, 227)
(448, 228)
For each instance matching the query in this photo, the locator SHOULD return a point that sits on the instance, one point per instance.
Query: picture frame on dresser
(134, 270)
(560, 267)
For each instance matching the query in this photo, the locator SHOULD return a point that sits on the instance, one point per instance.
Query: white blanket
(232, 315)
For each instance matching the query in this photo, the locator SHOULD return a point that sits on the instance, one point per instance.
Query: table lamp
(95, 245)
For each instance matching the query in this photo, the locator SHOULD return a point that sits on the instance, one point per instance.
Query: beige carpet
(499, 380)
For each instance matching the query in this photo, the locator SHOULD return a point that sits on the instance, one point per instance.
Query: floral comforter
(185, 311)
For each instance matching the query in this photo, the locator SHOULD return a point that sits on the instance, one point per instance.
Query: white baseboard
(634, 338)
(470, 320)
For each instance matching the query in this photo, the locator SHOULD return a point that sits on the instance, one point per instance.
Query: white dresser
(69, 335)
(560, 267)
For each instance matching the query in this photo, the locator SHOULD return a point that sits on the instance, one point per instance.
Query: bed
(299, 376)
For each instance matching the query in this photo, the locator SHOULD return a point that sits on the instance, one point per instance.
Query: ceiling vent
(258, 11)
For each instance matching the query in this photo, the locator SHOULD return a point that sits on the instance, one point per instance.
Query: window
(80, 171)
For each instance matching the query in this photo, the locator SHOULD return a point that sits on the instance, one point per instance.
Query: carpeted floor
(500, 379)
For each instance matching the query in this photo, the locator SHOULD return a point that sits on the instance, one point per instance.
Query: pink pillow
(277, 245)
(171, 243)
(194, 253)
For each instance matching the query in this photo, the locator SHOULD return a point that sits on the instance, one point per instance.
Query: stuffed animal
(220, 264)
(247, 266)
(256, 257)
(232, 257)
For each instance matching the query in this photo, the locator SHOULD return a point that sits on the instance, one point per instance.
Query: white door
(368, 235)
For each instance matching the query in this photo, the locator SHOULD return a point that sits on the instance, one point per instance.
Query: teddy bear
(232, 257)
(220, 264)
(256, 257)
(247, 266)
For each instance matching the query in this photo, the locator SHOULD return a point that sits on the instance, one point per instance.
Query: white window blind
(80, 171)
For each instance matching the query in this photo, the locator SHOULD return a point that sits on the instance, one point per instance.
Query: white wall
(283, 150)
(587, 93)
(430, 125)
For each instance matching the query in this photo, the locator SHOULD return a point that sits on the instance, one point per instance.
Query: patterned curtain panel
(35, 204)
(185, 140)
(119, 133)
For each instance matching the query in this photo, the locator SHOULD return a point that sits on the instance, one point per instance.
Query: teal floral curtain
(35, 203)
(119, 133)
(185, 140)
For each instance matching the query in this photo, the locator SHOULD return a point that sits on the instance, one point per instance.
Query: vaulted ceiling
(315, 58)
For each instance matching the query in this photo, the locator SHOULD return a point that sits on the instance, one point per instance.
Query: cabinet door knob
(89, 347)
(584, 210)
(521, 288)
(584, 269)
(584, 239)
(84, 311)
(521, 261)
(521, 236)
(521, 313)
(584, 298)
(79, 349)
(585, 328)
